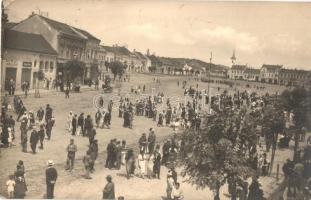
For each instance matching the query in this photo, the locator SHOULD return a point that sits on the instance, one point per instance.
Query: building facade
(251, 74)
(294, 77)
(236, 72)
(23, 56)
(270, 73)
(69, 42)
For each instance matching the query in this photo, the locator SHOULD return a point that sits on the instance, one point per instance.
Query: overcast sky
(271, 33)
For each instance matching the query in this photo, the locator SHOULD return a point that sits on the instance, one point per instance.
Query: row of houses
(40, 43)
(273, 74)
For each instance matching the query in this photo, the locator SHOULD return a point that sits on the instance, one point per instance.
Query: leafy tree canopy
(74, 69)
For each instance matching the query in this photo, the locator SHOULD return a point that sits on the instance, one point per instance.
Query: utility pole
(209, 82)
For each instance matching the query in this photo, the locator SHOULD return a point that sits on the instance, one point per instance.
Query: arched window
(51, 66)
(41, 65)
(46, 66)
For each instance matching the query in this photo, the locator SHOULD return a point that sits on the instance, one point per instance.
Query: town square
(87, 118)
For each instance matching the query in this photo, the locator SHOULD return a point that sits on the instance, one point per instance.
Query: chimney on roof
(134, 50)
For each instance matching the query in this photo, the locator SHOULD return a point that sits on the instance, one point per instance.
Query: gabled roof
(63, 28)
(87, 34)
(27, 42)
(252, 71)
(118, 50)
(294, 71)
(272, 67)
(139, 55)
(108, 48)
(238, 67)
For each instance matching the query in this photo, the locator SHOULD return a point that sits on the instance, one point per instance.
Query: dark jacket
(51, 175)
(34, 137)
(108, 192)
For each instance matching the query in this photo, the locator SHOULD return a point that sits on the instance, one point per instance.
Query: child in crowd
(11, 184)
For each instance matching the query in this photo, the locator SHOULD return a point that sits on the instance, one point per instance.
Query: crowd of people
(146, 160)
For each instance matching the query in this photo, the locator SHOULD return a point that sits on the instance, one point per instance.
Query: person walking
(157, 162)
(87, 161)
(34, 138)
(108, 191)
(48, 128)
(74, 124)
(48, 113)
(94, 153)
(130, 163)
(51, 177)
(81, 123)
(20, 188)
(91, 135)
(40, 114)
(41, 135)
(151, 141)
(142, 164)
(88, 125)
(10, 186)
(170, 185)
(69, 121)
(71, 152)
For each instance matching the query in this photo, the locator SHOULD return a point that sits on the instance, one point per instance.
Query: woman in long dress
(150, 162)
(142, 164)
(130, 163)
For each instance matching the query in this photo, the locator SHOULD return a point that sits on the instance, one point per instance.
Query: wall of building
(25, 64)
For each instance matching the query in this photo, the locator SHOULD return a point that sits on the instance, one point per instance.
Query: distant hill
(179, 63)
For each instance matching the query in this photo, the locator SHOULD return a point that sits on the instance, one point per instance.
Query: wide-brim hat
(50, 163)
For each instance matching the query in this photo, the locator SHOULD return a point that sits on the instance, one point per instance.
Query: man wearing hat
(51, 176)
(108, 192)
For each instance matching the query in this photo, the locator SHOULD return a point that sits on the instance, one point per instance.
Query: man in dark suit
(74, 124)
(51, 176)
(48, 113)
(34, 138)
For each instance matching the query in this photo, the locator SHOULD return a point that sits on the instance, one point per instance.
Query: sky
(258, 32)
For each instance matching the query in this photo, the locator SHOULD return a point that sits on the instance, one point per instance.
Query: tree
(152, 68)
(117, 68)
(273, 123)
(74, 69)
(297, 101)
(215, 152)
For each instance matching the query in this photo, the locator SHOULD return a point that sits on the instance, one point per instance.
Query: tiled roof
(252, 71)
(238, 67)
(64, 28)
(27, 42)
(87, 34)
(272, 67)
(139, 55)
(118, 50)
(294, 71)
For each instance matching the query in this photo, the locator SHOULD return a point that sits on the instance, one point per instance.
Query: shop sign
(27, 64)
